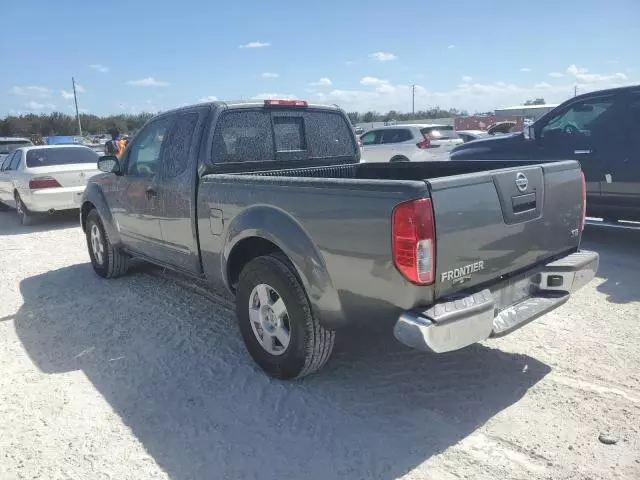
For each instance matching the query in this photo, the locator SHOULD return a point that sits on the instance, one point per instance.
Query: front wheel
(278, 327)
(107, 261)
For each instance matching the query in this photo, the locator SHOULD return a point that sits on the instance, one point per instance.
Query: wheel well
(84, 212)
(245, 251)
(399, 158)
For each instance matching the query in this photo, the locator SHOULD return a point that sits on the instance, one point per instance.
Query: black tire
(24, 215)
(114, 262)
(399, 158)
(310, 344)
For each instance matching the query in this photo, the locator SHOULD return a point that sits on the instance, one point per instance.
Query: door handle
(582, 152)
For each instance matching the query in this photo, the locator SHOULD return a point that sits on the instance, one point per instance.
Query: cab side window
(5, 167)
(396, 135)
(143, 157)
(371, 138)
(583, 123)
(175, 155)
(16, 160)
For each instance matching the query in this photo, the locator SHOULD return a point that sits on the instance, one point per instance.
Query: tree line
(57, 123)
(373, 116)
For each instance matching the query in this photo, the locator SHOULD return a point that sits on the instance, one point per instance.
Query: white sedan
(46, 178)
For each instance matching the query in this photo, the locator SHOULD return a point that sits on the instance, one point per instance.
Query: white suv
(409, 143)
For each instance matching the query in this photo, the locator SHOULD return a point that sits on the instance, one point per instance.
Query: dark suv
(601, 130)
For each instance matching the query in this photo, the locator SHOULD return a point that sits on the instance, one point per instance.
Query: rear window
(329, 135)
(47, 157)
(247, 136)
(440, 133)
(289, 134)
(8, 146)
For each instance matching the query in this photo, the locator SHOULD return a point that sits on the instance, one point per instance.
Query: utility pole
(75, 98)
(413, 100)
(575, 90)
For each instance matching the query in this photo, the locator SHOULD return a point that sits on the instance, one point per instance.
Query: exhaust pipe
(51, 211)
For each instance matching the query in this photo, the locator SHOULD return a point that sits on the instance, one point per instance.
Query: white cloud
(382, 95)
(383, 56)
(525, 69)
(278, 96)
(372, 81)
(31, 91)
(255, 45)
(208, 98)
(270, 75)
(467, 78)
(556, 74)
(451, 47)
(323, 82)
(99, 68)
(67, 95)
(148, 82)
(37, 107)
(582, 75)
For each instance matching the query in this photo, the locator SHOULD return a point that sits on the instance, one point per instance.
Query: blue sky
(474, 55)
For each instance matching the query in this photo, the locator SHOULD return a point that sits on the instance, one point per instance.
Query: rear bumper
(64, 198)
(496, 311)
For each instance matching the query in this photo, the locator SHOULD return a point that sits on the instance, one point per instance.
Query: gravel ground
(145, 377)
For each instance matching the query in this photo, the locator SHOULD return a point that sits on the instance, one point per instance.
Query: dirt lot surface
(145, 377)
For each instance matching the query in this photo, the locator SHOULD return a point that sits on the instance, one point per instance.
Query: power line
(413, 100)
(75, 98)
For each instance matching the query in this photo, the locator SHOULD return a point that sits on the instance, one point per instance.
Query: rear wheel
(276, 321)
(24, 215)
(399, 158)
(107, 261)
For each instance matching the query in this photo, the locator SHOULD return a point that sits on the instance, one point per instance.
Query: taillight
(425, 143)
(285, 103)
(584, 201)
(43, 182)
(413, 241)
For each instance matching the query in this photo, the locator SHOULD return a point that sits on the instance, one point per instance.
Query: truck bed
(486, 229)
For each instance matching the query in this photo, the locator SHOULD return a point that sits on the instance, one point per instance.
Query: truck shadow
(171, 364)
(619, 261)
(58, 221)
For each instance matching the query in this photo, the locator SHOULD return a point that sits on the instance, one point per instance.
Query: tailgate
(493, 223)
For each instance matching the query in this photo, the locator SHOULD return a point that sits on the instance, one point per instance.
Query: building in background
(532, 112)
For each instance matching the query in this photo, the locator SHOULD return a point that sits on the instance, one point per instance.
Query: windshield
(47, 157)
(8, 146)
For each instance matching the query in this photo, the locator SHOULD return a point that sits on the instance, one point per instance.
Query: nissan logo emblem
(521, 181)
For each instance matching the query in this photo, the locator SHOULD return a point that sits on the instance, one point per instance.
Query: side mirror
(530, 133)
(109, 164)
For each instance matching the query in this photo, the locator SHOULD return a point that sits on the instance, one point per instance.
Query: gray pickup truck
(270, 200)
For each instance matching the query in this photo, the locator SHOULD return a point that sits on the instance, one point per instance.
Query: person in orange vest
(116, 145)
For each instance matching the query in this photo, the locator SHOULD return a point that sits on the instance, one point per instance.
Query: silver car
(49, 178)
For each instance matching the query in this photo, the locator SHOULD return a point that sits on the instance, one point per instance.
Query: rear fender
(93, 196)
(281, 229)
